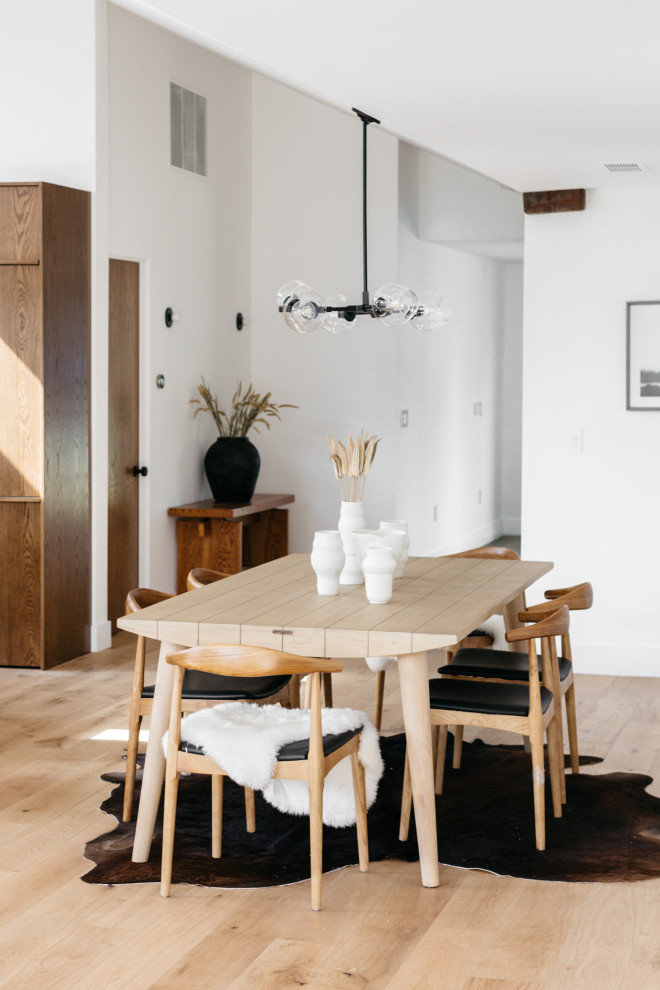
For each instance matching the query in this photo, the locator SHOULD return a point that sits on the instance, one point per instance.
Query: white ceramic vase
(327, 559)
(362, 540)
(351, 517)
(398, 524)
(378, 567)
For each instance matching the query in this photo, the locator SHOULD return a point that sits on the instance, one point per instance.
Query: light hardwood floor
(379, 930)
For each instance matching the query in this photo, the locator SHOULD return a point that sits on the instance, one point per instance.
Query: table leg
(154, 763)
(414, 684)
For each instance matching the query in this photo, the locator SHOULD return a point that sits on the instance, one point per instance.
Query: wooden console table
(227, 537)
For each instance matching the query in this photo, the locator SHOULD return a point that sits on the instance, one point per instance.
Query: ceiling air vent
(187, 129)
(625, 166)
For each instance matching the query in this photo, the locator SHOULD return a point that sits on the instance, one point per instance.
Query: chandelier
(304, 310)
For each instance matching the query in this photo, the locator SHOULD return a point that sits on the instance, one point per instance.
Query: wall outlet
(435, 513)
(404, 417)
(478, 410)
(479, 497)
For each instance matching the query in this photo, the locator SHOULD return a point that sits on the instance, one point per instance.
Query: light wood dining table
(437, 602)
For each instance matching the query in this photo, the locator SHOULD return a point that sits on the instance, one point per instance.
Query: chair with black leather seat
(528, 709)
(308, 760)
(503, 665)
(200, 690)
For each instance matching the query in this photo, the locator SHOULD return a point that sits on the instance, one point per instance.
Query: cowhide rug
(610, 829)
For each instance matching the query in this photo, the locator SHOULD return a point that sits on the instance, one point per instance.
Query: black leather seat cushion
(482, 696)
(472, 662)
(217, 687)
(297, 750)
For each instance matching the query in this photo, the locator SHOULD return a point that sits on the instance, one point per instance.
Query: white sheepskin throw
(495, 627)
(380, 663)
(244, 740)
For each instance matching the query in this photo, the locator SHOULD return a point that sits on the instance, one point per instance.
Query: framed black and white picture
(643, 355)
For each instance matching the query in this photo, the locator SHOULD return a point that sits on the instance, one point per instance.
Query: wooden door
(123, 434)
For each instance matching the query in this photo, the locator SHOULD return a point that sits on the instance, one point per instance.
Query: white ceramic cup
(398, 524)
(327, 559)
(378, 567)
(362, 540)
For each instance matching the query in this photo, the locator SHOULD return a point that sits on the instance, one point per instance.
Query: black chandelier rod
(366, 120)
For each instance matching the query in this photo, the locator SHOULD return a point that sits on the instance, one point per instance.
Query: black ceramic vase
(232, 468)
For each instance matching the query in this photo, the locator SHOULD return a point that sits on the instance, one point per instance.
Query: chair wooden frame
(534, 725)
(137, 599)
(199, 577)
(579, 596)
(248, 661)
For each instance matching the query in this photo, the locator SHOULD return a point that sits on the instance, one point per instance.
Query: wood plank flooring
(381, 930)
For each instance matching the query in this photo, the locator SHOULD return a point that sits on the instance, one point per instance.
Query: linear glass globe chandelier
(305, 310)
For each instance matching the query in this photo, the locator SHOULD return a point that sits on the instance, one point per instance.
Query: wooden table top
(437, 602)
(229, 510)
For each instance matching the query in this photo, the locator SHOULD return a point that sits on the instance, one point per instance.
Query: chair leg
(406, 802)
(440, 761)
(327, 690)
(169, 820)
(571, 719)
(360, 811)
(294, 691)
(250, 815)
(538, 782)
(217, 786)
(316, 838)
(458, 747)
(380, 693)
(556, 761)
(134, 723)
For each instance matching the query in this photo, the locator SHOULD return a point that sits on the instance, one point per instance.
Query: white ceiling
(536, 95)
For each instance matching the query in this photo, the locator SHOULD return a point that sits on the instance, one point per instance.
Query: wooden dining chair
(503, 665)
(199, 691)
(528, 709)
(308, 760)
(199, 577)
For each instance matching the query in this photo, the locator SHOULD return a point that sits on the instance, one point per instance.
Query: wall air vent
(625, 166)
(187, 129)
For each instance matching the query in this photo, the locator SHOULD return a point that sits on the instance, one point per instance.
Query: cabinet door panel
(21, 374)
(20, 223)
(20, 584)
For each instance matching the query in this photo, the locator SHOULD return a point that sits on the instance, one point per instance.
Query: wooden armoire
(45, 251)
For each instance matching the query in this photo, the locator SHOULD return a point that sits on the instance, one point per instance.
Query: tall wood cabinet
(44, 424)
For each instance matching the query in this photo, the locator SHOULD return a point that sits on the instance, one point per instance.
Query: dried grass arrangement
(352, 463)
(248, 409)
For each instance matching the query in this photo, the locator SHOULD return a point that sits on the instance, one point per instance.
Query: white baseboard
(616, 660)
(100, 636)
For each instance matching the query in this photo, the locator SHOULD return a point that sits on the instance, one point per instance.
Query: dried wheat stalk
(351, 464)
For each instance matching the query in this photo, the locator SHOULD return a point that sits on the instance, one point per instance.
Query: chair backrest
(488, 553)
(199, 577)
(140, 598)
(545, 627)
(577, 597)
(250, 661)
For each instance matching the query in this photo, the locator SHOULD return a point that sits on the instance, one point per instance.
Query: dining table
(436, 603)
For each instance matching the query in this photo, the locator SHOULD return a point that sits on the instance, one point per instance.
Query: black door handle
(139, 470)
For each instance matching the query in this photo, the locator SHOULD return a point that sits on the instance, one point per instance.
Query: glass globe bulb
(432, 312)
(337, 322)
(394, 304)
(303, 309)
(288, 290)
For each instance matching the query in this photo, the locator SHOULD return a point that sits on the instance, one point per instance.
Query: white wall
(448, 456)
(47, 66)
(307, 225)
(595, 514)
(192, 235)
